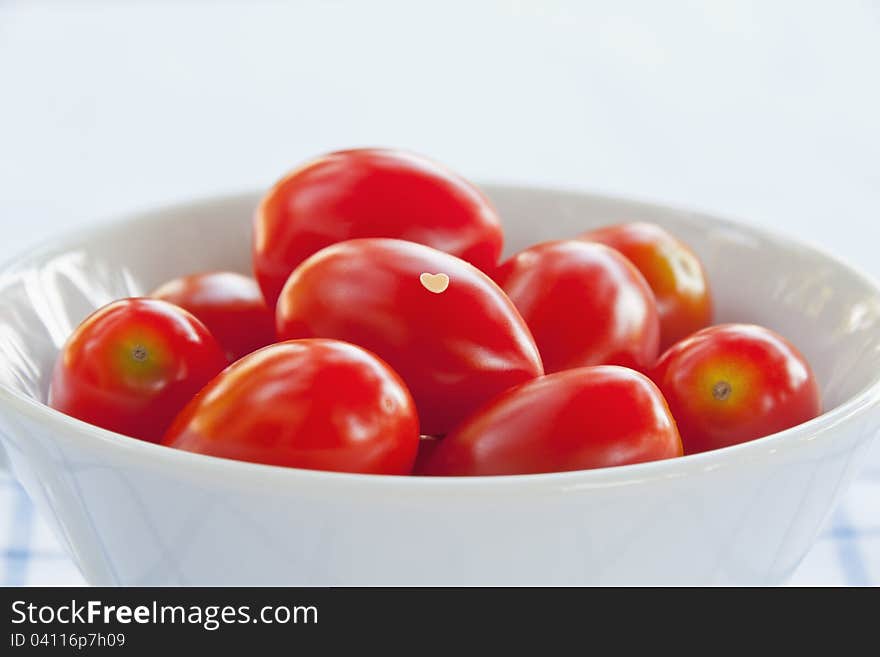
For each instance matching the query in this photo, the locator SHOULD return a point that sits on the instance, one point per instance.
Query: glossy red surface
(316, 404)
(455, 350)
(584, 303)
(229, 304)
(132, 365)
(370, 192)
(672, 270)
(732, 383)
(578, 419)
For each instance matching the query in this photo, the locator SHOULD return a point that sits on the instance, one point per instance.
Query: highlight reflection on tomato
(584, 303)
(455, 347)
(316, 404)
(132, 365)
(733, 383)
(589, 417)
(229, 304)
(370, 192)
(674, 273)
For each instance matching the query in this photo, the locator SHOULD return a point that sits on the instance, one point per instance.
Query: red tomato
(229, 304)
(132, 365)
(315, 404)
(427, 445)
(590, 417)
(673, 271)
(456, 346)
(736, 382)
(370, 192)
(584, 303)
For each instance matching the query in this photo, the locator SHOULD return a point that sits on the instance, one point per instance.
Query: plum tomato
(315, 404)
(441, 323)
(585, 304)
(589, 417)
(733, 383)
(132, 365)
(229, 304)
(673, 271)
(370, 192)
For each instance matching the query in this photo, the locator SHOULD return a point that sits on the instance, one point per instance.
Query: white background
(766, 111)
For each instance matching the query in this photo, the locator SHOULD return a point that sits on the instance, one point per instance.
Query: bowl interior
(826, 309)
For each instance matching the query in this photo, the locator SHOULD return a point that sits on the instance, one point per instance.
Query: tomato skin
(315, 404)
(132, 365)
(585, 305)
(455, 350)
(427, 445)
(589, 417)
(370, 192)
(673, 271)
(734, 383)
(229, 304)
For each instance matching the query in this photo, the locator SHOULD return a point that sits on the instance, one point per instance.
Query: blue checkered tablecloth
(846, 553)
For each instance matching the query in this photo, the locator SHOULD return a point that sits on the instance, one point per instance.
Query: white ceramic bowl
(136, 513)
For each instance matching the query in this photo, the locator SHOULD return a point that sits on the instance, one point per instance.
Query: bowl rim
(208, 468)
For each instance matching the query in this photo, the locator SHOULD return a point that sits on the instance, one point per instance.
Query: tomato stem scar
(721, 390)
(139, 353)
